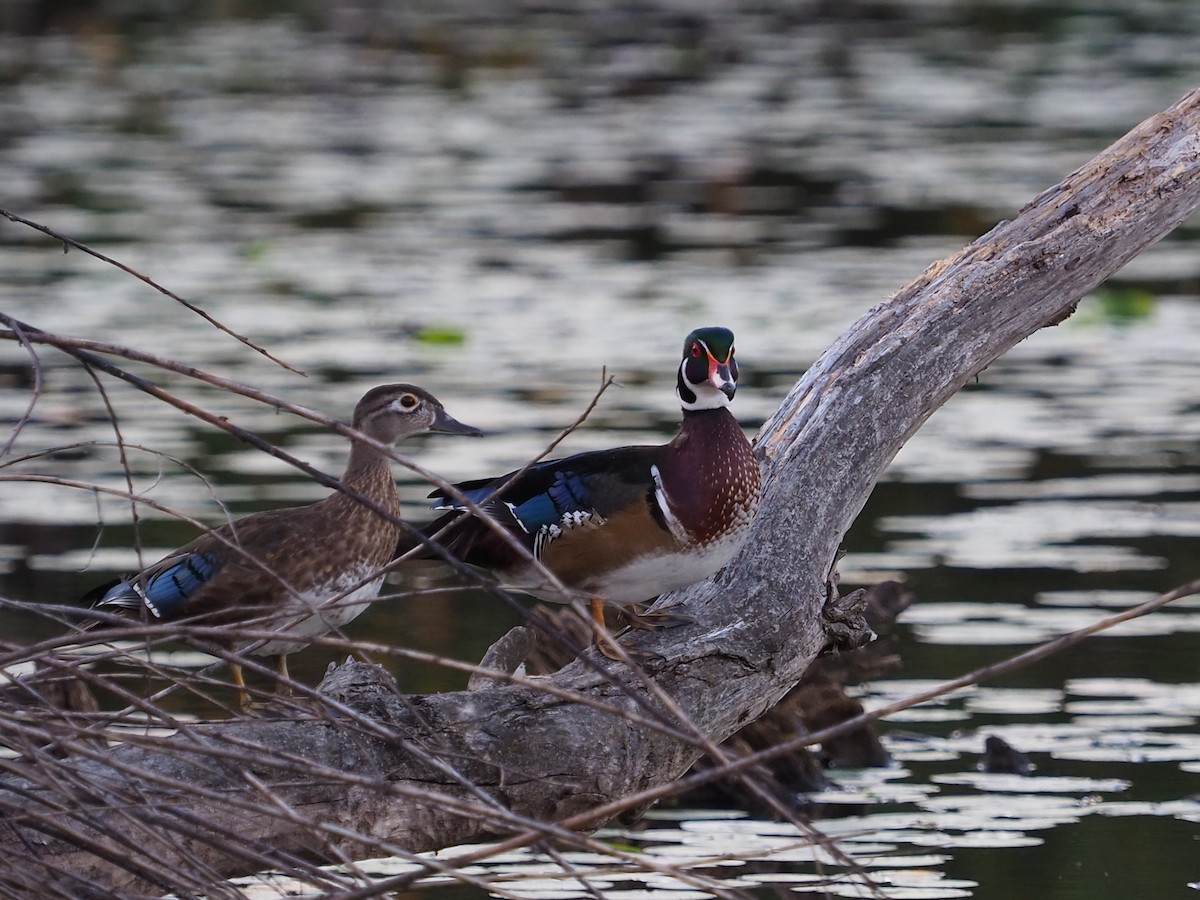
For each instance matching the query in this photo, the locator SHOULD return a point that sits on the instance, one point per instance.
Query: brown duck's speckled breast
(296, 553)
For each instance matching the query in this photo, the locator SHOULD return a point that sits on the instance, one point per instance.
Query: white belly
(313, 614)
(646, 577)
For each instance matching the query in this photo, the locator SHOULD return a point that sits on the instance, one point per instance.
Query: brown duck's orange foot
(283, 681)
(283, 703)
(239, 685)
(283, 688)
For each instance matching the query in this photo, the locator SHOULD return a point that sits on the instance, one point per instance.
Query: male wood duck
(627, 524)
(302, 571)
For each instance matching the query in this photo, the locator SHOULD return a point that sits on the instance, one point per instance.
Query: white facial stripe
(708, 396)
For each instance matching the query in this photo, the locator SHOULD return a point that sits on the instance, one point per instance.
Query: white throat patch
(707, 396)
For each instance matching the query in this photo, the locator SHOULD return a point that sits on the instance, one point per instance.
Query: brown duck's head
(708, 373)
(391, 412)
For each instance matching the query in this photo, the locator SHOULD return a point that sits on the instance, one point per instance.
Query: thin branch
(34, 395)
(71, 242)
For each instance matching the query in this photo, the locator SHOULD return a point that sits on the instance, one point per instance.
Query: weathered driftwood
(515, 752)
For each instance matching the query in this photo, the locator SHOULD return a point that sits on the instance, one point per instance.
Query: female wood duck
(627, 524)
(302, 571)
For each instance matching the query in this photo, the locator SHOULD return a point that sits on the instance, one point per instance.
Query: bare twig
(71, 242)
(36, 393)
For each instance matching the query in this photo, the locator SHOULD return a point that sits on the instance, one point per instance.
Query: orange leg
(605, 640)
(239, 683)
(643, 621)
(282, 686)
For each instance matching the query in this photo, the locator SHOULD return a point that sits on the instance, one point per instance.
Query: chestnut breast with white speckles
(711, 482)
(705, 491)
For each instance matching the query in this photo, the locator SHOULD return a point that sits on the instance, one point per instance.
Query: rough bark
(758, 624)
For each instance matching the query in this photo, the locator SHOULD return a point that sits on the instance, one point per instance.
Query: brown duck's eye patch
(408, 401)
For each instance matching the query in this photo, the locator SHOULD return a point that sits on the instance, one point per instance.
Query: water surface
(500, 208)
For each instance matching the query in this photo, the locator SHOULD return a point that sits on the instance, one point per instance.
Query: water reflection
(568, 191)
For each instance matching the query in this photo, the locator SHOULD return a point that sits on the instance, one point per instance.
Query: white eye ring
(408, 401)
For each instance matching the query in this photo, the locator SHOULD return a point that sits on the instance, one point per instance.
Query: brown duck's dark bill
(446, 424)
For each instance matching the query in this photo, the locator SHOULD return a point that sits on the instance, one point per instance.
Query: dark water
(497, 206)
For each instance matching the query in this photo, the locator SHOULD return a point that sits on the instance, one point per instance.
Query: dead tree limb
(443, 769)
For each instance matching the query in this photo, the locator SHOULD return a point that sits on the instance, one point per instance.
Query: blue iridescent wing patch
(168, 590)
(568, 494)
(164, 593)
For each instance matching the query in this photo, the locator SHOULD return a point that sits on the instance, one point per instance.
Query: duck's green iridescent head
(708, 373)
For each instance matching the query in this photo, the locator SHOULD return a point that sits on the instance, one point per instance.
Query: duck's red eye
(695, 351)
